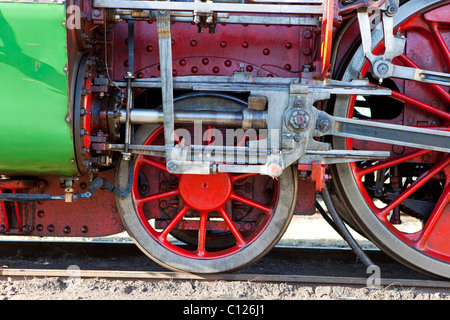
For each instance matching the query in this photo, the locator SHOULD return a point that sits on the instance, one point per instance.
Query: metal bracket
(382, 66)
(165, 58)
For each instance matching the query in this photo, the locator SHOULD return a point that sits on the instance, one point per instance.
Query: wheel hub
(205, 192)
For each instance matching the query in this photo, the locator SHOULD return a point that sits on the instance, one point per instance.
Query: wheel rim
(408, 193)
(203, 204)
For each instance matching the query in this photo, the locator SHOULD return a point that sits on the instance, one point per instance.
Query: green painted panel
(34, 92)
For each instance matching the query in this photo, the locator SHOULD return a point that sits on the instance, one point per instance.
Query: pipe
(342, 229)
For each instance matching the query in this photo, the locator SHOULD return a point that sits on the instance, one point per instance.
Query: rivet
(306, 51)
(223, 44)
(51, 228)
(287, 67)
(149, 48)
(140, 75)
(205, 61)
(193, 43)
(227, 63)
(84, 229)
(194, 69)
(66, 229)
(288, 45)
(182, 62)
(173, 42)
(41, 213)
(266, 52)
(174, 73)
(249, 68)
(125, 63)
(41, 185)
(39, 227)
(245, 44)
(216, 70)
(307, 34)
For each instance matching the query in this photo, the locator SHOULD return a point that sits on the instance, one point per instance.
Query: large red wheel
(403, 203)
(224, 221)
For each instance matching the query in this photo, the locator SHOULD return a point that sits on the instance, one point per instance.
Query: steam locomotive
(202, 127)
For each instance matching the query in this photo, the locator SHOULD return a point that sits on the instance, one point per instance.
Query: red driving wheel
(203, 223)
(403, 203)
(203, 203)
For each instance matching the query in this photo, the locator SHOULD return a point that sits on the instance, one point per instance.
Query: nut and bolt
(324, 125)
(299, 119)
(275, 170)
(172, 166)
(382, 68)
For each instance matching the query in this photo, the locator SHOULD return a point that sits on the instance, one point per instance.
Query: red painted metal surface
(424, 106)
(278, 51)
(93, 217)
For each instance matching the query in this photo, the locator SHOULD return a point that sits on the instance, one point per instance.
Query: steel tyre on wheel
(413, 184)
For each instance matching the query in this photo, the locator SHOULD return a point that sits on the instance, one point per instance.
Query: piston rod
(245, 119)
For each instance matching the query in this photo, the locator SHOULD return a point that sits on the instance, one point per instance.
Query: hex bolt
(391, 10)
(172, 166)
(324, 125)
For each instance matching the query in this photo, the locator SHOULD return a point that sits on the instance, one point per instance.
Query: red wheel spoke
(250, 202)
(440, 42)
(388, 163)
(153, 163)
(436, 215)
(436, 88)
(421, 105)
(414, 186)
(201, 250)
(240, 240)
(141, 201)
(242, 176)
(174, 222)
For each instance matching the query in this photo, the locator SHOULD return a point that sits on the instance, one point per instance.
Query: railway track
(334, 267)
(355, 282)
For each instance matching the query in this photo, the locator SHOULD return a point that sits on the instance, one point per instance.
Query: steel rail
(261, 278)
(107, 248)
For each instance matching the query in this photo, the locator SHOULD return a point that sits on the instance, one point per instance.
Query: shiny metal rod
(222, 118)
